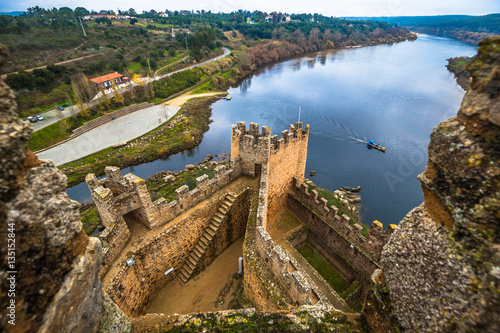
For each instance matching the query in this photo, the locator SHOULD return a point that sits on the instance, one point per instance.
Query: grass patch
(322, 267)
(353, 287)
(90, 219)
(134, 67)
(188, 178)
(47, 137)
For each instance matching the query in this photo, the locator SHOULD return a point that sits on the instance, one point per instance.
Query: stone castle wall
(262, 250)
(117, 195)
(327, 221)
(285, 157)
(113, 238)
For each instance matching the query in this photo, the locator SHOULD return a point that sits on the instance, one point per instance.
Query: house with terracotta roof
(107, 80)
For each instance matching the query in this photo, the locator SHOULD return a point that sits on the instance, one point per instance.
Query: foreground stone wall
(442, 265)
(51, 264)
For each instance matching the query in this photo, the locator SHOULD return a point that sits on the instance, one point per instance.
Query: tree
(133, 21)
(81, 11)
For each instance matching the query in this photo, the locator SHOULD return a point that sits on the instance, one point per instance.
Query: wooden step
(214, 226)
(230, 198)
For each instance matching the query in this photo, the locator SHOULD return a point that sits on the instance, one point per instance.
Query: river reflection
(394, 94)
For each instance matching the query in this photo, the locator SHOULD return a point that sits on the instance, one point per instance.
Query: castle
(189, 246)
(437, 272)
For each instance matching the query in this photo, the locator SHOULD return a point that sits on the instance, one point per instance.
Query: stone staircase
(206, 238)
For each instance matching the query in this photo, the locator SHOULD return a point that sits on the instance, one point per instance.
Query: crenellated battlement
(372, 244)
(116, 195)
(262, 143)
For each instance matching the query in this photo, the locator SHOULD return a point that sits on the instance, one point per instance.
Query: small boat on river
(371, 144)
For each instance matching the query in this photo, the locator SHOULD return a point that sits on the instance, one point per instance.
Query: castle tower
(285, 157)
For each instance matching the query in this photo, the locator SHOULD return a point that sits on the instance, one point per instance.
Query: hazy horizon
(338, 8)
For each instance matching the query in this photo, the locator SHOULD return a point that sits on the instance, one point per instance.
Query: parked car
(32, 119)
(61, 108)
(65, 105)
(38, 117)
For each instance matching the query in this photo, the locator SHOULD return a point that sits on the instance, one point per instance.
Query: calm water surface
(394, 94)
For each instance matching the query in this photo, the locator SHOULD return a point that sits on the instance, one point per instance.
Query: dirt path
(179, 100)
(211, 290)
(57, 63)
(159, 69)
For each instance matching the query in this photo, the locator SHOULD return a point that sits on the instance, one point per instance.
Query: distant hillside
(486, 23)
(462, 27)
(12, 13)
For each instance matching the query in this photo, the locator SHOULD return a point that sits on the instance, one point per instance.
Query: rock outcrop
(51, 264)
(442, 265)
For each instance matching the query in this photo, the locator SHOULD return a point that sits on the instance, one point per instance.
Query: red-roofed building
(107, 80)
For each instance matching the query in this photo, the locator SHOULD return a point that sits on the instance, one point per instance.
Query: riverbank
(182, 132)
(458, 66)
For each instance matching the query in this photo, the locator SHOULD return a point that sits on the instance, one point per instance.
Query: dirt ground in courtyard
(213, 289)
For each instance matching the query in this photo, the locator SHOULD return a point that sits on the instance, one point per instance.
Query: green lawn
(90, 219)
(184, 178)
(322, 267)
(134, 67)
(47, 137)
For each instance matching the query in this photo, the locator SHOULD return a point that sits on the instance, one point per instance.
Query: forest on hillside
(470, 29)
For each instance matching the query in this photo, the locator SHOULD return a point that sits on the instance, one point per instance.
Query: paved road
(117, 131)
(51, 115)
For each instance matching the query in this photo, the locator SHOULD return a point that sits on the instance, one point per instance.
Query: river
(393, 94)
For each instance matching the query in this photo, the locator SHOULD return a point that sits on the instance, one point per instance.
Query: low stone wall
(114, 238)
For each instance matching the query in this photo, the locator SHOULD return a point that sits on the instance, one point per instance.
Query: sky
(325, 7)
